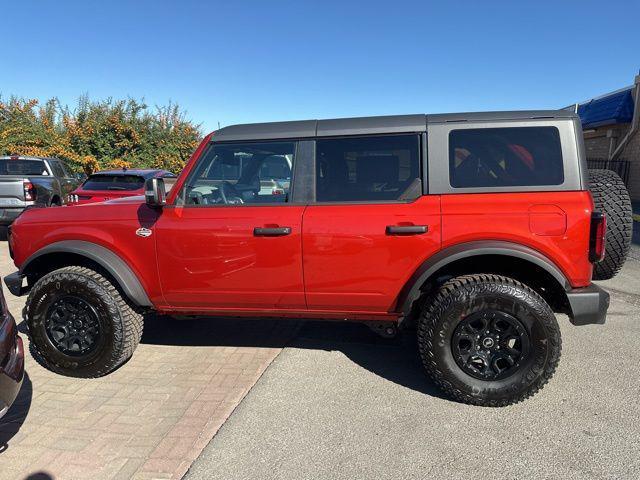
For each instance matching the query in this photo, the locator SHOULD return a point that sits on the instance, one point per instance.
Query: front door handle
(407, 229)
(271, 231)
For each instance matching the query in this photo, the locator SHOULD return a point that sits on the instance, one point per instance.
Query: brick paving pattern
(148, 420)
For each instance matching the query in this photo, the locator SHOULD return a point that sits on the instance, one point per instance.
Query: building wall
(632, 153)
(597, 141)
(597, 144)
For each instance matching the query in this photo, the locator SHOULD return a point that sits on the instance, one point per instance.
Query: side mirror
(154, 192)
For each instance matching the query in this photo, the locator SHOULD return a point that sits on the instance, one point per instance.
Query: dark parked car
(111, 184)
(11, 358)
(26, 181)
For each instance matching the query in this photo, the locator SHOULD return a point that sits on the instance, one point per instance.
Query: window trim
(211, 145)
(421, 169)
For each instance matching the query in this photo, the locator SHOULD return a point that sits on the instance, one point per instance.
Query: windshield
(22, 167)
(113, 182)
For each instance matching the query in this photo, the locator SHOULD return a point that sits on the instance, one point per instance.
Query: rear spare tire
(611, 197)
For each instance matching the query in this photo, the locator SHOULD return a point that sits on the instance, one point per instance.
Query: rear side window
(113, 182)
(22, 167)
(377, 168)
(505, 157)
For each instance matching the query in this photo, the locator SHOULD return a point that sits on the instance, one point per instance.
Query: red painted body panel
(111, 225)
(209, 257)
(509, 216)
(351, 263)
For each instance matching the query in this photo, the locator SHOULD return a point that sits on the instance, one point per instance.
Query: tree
(98, 134)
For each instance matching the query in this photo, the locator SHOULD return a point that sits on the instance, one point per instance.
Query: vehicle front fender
(112, 263)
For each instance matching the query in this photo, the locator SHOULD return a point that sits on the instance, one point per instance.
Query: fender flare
(411, 292)
(104, 257)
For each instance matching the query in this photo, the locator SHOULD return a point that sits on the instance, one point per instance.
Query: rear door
(370, 226)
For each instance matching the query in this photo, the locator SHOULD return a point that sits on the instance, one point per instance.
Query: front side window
(376, 168)
(505, 157)
(239, 173)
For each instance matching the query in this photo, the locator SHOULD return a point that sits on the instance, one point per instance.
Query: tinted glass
(239, 173)
(65, 170)
(22, 167)
(505, 157)
(58, 171)
(113, 182)
(368, 168)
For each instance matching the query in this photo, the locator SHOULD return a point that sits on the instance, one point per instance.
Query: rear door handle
(407, 229)
(271, 231)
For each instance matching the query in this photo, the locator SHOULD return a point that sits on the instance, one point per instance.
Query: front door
(233, 238)
(370, 227)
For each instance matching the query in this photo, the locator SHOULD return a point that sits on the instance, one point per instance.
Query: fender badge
(143, 232)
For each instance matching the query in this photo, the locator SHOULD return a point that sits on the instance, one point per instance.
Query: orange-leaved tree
(98, 134)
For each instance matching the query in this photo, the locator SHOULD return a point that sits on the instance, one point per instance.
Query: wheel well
(532, 275)
(49, 262)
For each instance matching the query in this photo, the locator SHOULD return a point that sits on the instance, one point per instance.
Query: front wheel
(79, 324)
(488, 340)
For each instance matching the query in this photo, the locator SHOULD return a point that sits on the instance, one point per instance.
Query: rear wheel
(79, 324)
(611, 197)
(488, 340)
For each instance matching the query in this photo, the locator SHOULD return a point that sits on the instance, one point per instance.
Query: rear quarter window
(505, 157)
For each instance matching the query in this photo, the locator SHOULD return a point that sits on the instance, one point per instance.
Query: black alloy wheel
(72, 325)
(490, 344)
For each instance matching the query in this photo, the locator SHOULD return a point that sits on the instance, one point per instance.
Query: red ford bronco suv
(473, 227)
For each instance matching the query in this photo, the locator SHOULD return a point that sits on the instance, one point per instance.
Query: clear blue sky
(243, 61)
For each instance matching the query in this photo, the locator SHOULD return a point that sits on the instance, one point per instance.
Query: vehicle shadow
(11, 423)
(39, 476)
(395, 359)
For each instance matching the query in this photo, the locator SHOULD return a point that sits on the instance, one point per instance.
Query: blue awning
(615, 107)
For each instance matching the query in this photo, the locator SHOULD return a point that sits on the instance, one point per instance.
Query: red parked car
(473, 227)
(110, 184)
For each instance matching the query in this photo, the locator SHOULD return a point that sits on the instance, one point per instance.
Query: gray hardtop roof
(369, 125)
(508, 115)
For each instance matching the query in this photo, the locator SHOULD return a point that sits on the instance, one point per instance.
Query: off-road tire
(120, 325)
(611, 197)
(465, 295)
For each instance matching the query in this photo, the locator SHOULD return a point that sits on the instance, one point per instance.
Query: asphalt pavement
(341, 403)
